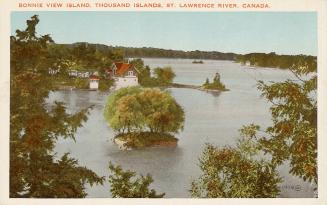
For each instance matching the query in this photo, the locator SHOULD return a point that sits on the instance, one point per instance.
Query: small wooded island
(197, 62)
(143, 117)
(216, 84)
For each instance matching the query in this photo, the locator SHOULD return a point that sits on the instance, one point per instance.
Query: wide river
(209, 118)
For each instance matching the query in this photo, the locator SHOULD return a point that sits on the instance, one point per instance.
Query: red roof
(122, 67)
(94, 77)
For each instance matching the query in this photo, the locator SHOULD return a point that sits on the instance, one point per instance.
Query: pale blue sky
(238, 32)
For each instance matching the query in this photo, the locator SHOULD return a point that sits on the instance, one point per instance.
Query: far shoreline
(191, 59)
(173, 85)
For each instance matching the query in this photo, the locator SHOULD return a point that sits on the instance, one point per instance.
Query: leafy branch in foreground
(125, 184)
(35, 170)
(293, 135)
(236, 172)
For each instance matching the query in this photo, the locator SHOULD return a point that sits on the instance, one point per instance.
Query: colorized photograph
(133, 104)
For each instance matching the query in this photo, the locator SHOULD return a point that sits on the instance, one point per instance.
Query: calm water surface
(210, 118)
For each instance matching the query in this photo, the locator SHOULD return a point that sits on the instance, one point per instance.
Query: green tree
(105, 84)
(129, 114)
(144, 73)
(293, 135)
(61, 60)
(117, 55)
(125, 184)
(111, 112)
(161, 112)
(103, 61)
(81, 83)
(236, 172)
(134, 108)
(145, 79)
(137, 63)
(35, 170)
(207, 82)
(165, 75)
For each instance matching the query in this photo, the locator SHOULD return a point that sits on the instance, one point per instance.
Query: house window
(130, 73)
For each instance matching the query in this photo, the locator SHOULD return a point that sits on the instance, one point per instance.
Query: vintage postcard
(218, 101)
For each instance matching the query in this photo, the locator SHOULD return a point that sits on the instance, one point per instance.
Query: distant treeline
(163, 53)
(275, 61)
(99, 55)
(148, 52)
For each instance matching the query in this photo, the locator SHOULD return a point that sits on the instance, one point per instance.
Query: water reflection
(214, 93)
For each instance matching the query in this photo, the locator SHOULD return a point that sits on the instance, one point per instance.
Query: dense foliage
(148, 52)
(125, 184)
(165, 75)
(144, 73)
(105, 84)
(81, 83)
(82, 57)
(293, 135)
(86, 56)
(35, 170)
(135, 109)
(162, 76)
(236, 172)
(273, 60)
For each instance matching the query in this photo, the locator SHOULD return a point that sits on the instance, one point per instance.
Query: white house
(124, 75)
(94, 82)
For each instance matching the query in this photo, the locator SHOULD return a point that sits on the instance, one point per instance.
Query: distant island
(273, 60)
(216, 84)
(197, 62)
